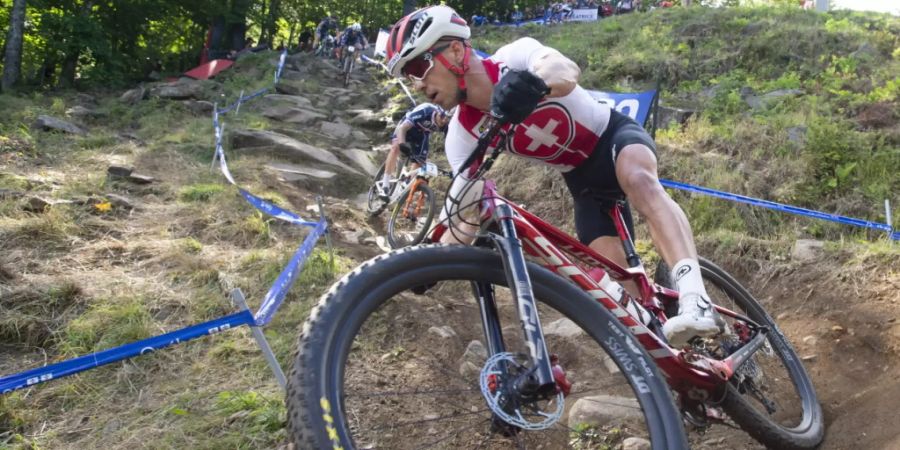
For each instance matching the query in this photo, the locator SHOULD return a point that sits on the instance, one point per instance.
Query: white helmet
(356, 27)
(417, 32)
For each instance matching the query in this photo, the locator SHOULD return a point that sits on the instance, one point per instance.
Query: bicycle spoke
(455, 434)
(419, 422)
(414, 392)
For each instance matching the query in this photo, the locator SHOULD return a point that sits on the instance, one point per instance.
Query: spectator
(305, 40)
(625, 6)
(516, 15)
(248, 47)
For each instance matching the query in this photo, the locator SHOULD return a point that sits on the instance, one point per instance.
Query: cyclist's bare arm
(560, 73)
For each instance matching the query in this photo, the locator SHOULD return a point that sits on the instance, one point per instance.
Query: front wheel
(348, 69)
(379, 367)
(412, 216)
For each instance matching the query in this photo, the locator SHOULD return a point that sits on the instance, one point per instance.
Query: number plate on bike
(429, 170)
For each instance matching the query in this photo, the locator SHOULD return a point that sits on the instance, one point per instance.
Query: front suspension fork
(540, 379)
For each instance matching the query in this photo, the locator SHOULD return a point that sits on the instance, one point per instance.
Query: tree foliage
(116, 42)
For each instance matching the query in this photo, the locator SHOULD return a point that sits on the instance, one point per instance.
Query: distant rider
(325, 26)
(353, 35)
(414, 130)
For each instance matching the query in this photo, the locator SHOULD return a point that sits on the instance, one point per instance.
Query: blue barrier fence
(87, 362)
(270, 304)
(783, 207)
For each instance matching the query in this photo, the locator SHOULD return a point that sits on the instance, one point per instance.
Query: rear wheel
(374, 203)
(771, 396)
(412, 216)
(379, 367)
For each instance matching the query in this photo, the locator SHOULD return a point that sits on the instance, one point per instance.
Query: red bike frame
(696, 377)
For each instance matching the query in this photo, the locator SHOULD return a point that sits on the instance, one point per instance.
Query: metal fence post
(238, 297)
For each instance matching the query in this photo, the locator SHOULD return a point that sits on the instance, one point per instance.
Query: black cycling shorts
(594, 185)
(419, 149)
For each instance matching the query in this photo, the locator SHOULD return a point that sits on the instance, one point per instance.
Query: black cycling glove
(516, 95)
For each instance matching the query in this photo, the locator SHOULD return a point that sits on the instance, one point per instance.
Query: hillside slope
(83, 270)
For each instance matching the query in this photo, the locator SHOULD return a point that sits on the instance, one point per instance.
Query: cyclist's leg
(636, 173)
(390, 164)
(420, 153)
(593, 224)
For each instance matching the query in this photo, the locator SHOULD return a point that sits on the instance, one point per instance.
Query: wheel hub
(498, 380)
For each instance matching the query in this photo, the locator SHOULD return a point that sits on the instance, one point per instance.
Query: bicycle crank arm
(738, 358)
(510, 247)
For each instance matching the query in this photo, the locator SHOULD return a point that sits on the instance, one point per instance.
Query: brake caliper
(742, 331)
(559, 375)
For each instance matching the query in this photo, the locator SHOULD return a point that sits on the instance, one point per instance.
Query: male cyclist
(414, 130)
(353, 35)
(556, 122)
(325, 26)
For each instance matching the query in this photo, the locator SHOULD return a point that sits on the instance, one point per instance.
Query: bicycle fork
(539, 380)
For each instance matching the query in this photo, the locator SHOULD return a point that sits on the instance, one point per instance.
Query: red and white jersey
(561, 132)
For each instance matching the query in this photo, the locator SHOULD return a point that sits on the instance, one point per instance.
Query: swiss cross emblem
(545, 134)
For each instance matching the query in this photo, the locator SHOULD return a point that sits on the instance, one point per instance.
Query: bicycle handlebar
(494, 127)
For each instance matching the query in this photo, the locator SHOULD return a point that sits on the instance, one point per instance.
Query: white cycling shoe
(696, 317)
(383, 190)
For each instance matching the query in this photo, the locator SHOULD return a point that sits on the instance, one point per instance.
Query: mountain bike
(380, 366)
(749, 373)
(347, 63)
(325, 47)
(414, 209)
(413, 199)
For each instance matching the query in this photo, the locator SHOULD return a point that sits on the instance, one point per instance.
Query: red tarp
(209, 70)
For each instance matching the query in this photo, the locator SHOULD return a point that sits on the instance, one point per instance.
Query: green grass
(106, 324)
(201, 192)
(844, 63)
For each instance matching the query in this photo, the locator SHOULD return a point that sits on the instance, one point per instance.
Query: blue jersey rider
(354, 36)
(325, 26)
(414, 130)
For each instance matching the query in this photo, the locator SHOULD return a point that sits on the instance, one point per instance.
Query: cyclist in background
(553, 120)
(325, 26)
(414, 130)
(354, 36)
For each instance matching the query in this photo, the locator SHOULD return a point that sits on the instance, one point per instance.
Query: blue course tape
(274, 210)
(287, 276)
(781, 207)
(87, 362)
(243, 99)
(280, 67)
(271, 303)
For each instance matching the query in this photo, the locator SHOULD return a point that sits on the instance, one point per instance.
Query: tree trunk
(12, 66)
(68, 70)
(409, 6)
(272, 23)
(46, 73)
(70, 64)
